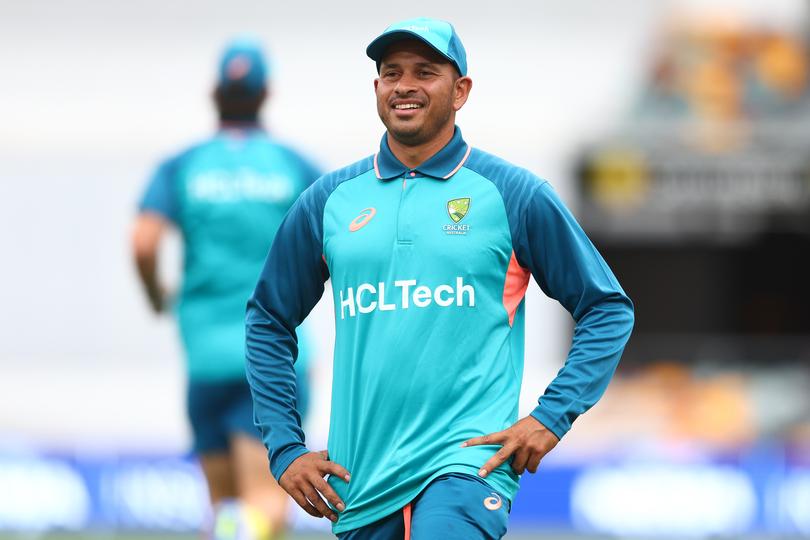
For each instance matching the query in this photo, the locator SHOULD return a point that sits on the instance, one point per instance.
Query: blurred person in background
(227, 196)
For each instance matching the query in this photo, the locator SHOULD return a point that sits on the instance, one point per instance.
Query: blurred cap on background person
(243, 68)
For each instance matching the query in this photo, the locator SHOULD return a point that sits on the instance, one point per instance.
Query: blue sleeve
(568, 268)
(290, 285)
(160, 196)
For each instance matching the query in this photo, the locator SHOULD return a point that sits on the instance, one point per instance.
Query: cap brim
(377, 48)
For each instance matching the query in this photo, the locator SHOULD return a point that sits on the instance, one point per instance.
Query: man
(429, 244)
(227, 196)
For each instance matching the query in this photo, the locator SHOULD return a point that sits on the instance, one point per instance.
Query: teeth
(408, 106)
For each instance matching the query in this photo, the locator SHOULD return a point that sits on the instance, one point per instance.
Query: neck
(414, 155)
(226, 120)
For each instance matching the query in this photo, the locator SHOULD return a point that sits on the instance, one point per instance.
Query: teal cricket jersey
(228, 196)
(429, 267)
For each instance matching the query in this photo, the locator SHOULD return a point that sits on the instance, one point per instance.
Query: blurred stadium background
(678, 130)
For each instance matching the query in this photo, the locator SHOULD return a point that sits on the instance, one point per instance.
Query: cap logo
(414, 28)
(237, 67)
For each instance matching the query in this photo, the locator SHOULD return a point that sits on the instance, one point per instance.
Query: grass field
(131, 536)
(522, 535)
(144, 536)
(110, 535)
(159, 536)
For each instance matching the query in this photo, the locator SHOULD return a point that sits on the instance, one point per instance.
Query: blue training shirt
(228, 196)
(429, 268)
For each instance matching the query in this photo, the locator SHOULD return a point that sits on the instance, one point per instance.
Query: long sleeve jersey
(429, 268)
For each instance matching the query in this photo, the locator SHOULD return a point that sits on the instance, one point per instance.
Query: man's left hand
(527, 440)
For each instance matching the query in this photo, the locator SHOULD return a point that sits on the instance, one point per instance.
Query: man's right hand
(304, 481)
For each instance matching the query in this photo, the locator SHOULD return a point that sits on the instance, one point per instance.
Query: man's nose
(406, 84)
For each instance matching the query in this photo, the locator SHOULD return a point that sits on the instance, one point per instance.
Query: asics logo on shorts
(494, 502)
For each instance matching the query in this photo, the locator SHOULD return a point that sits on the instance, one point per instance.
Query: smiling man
(430, 245)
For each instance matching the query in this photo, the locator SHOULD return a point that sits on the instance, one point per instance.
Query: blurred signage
(791, 508)
(39, 494)
(719, 139)
(166, 493)
(664, 499)
(625, 180)
(151, 493)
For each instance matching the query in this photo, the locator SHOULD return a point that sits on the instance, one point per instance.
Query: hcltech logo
(457, 209)
(367, 297)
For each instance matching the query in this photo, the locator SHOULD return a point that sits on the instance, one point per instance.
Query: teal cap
(438, 35)
(243, 65)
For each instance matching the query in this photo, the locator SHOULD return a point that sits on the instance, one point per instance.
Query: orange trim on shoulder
(406, 517)
(514, 288)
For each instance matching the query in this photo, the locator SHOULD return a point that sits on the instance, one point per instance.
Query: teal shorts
(218, 410)
(454, 506)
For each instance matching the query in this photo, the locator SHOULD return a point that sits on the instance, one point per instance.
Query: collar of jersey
(442, 165)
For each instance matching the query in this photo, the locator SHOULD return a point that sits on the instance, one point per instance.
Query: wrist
(281, 462)
(547, 421)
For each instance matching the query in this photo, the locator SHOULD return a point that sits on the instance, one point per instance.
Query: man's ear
(461, 90)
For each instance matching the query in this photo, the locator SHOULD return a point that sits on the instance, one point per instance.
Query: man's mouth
(406, 106)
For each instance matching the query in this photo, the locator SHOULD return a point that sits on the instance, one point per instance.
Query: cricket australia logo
(457, 209)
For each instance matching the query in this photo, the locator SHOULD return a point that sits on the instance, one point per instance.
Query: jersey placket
(404, 213)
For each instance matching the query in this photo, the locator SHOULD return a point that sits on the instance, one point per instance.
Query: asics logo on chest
(404, 294)
(360, 221)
